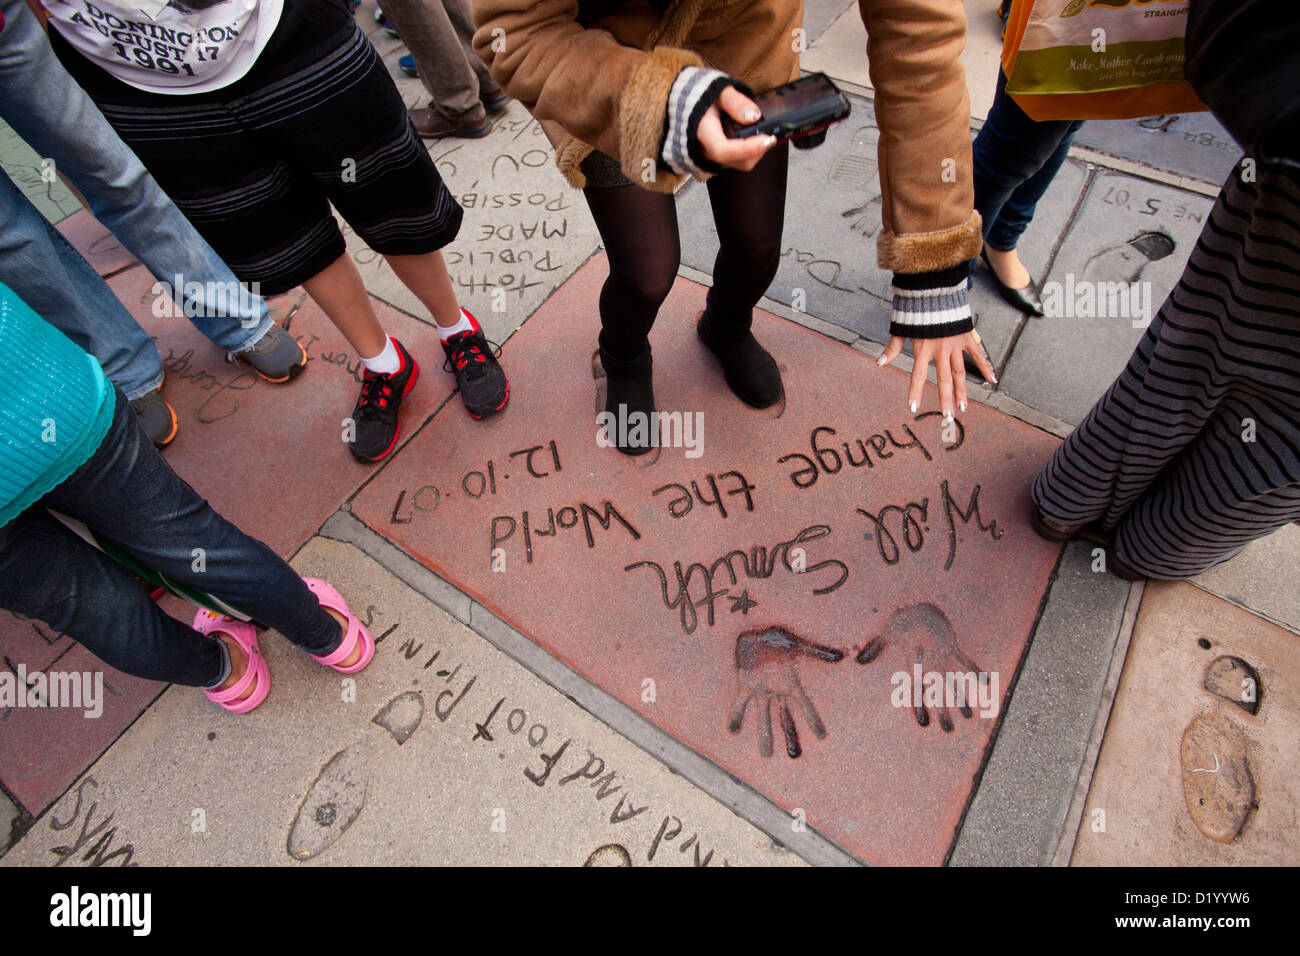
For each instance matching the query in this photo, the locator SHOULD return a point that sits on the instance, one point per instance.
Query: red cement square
(631, 584)
(44, 750)
(271, 458)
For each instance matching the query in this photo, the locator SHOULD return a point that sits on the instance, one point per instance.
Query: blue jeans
(1015, 160)
(126, 492)
(46, 107)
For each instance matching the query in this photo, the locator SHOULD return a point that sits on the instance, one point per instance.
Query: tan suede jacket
(605, 86)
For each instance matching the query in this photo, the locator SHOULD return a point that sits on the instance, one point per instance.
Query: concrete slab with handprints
(763, 601)
(1129, 231)
(443, 751)
(1198, 765)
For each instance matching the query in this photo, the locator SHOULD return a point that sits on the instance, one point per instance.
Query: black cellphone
(803, 106)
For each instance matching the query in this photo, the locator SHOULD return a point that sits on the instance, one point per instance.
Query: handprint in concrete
(929, 643)
(767, 674)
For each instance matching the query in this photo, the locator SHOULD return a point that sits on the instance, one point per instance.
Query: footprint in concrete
(611, 854)
(1233, 679)
(1126, 262)
(338, 794)
(928, 639)
(1217, 782)
(856, 169)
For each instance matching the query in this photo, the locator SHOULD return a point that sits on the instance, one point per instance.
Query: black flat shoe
(1028, 299)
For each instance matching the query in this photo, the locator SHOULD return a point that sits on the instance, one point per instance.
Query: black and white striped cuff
(692, 93)
(931, 313)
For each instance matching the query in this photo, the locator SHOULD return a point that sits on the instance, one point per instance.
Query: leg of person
(244, 189)
(638, 229)
(341, 293)
(48, 573)
(483, 385)
(46, 107)
(749, 211)
(53, 278)
(128, 494)
(390, 371)
(462, 19)
(1014, 282)
(445, 70)
(1238, 481)
(1008, 151)
(1223, 343)
(1018, 211)
(399, 205)
(52, 575)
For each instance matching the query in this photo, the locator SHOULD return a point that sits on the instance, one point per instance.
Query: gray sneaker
(157, 418)
(277, 356)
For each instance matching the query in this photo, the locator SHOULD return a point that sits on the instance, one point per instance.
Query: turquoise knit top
(55, 406)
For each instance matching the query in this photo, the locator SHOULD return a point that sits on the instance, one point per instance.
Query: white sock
(466, 324)
(386, 362)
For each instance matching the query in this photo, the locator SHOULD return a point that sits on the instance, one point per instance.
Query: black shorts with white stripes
(256, 165)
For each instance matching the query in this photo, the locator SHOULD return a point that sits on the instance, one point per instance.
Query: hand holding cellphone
(805, 106)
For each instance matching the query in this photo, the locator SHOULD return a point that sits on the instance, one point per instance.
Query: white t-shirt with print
(169, 46)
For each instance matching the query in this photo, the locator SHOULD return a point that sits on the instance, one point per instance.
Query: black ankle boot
(750, 371)
(629, 383)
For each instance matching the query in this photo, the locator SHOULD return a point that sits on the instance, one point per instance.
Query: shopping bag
(1097, 59)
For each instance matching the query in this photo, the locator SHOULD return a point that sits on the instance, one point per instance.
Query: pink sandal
(256, 674)
(356, 631)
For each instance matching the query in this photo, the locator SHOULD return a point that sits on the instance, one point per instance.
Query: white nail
(913, 408)
(882, 360)
(962, 405)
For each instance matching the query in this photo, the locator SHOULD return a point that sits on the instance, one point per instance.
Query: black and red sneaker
(375, 417)
(479, 375)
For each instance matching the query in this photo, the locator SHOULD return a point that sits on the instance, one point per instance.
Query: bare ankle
(238, 661)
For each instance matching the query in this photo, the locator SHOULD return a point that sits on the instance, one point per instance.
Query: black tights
(639, 231)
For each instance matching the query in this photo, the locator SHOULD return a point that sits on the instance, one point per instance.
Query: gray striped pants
(1194, 451)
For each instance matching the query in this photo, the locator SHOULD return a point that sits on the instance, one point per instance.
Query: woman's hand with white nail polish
(950, 370)
(741, 154)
